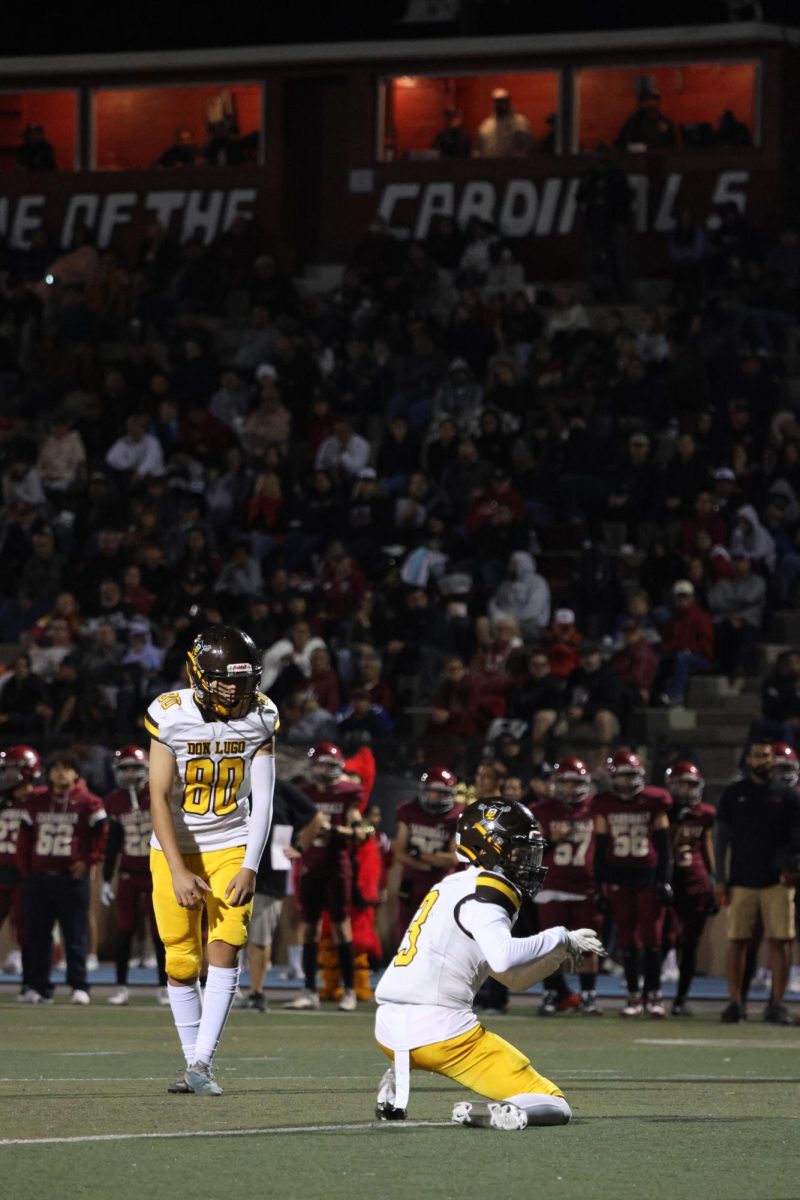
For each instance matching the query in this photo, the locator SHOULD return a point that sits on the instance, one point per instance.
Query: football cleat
(777, 1014)
(29, 996)
(654, 1006)
(201, 1081)
(304, 1002)
(349, 1001)
(633, 1007)
(121, 996)
(387, 1112)
(489, 1114)
(589, 1005)
(180, 1087)
(79, 996)
(549, 1005)
(681, 1009)
(733, 1013)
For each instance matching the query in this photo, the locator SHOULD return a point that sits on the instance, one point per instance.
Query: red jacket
(692, 629)
(57, 831)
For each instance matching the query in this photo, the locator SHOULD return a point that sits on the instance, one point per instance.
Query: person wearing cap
(686, 647)
(560, 643)
(504, 134)
(647, 128)
(592, 700)
(737, 605)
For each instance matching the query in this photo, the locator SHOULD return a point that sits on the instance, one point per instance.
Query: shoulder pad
(494, 889)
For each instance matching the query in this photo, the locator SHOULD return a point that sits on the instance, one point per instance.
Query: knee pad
(183, 962)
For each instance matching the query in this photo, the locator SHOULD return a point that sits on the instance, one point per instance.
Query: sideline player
(460, 934)
(425, 840)
(20, 772)
(326, 872)
(129, 833)
(212, 746)
(567, 824)
(633, 861)
(694, 876)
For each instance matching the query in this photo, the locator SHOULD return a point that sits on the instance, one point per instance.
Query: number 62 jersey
(212, 767)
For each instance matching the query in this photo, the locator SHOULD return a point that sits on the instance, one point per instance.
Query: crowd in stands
(432, 494)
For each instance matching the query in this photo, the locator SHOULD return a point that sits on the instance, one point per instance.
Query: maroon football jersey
(10, 818)
(59, 830)
(334, 802)
(569, 857)
(432, 833)
(131, 810)
(631, 855)
(691, 869)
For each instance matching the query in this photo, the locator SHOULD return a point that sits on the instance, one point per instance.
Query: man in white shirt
(138, 452)
(460, 934)
(344, 453)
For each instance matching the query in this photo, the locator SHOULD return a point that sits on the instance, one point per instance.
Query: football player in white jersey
(461, 933)
(212, 748)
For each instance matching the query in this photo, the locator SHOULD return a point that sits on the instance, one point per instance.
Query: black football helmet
(503, 836)
(224, 670)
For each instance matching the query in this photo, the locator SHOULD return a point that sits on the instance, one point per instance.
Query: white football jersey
(438, 962)
(212, 767)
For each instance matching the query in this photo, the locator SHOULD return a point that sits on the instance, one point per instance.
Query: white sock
(220, 991)
(542, 1109)
(186, 1006)
(296, 959)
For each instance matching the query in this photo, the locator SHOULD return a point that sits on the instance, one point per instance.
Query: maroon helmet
(785, 764)
(19, 764)
(438, 793)
(130, 767)
(327, 763)
(572, 780)
(626, 773)
(684, 781)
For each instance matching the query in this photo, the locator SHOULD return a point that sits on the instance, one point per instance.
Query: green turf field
(680, 1108)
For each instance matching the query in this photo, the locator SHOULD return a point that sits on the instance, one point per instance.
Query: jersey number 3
(408, 946)
(212, 787)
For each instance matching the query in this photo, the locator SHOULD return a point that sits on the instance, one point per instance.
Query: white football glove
(581, 942)
(107, 894)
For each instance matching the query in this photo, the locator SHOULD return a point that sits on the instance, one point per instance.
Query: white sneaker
(349, 1001)
(670, 972)
(489, 1114)
(29, 996)
(633, 1007)
(79, 996)
(13, 963)
(654, 1007)
(162, 995)
(92, 962)
(150, 963)
(304, 1001)
(121, 996)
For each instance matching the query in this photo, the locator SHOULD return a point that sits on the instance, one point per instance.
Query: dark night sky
(148, 26)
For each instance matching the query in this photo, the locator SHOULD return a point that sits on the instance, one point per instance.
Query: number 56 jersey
(212, 767)
(631, 856)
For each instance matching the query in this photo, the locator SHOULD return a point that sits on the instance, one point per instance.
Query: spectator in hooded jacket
(737, 605)
(524, 595)
(751, 539)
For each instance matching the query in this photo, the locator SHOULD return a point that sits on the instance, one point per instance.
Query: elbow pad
(262, 783)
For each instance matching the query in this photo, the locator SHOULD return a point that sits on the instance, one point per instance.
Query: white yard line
(210, 1133)
(757, 1045)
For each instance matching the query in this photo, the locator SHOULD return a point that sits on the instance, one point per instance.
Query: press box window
(431, 117)
(38, 131)
(700, 106)
(172, 127)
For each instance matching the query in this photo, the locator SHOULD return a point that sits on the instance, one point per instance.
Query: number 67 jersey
(212, 767)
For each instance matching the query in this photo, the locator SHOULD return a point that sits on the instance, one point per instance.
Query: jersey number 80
(212, 786)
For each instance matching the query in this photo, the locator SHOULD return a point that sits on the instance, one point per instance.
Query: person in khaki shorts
(758, 853)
